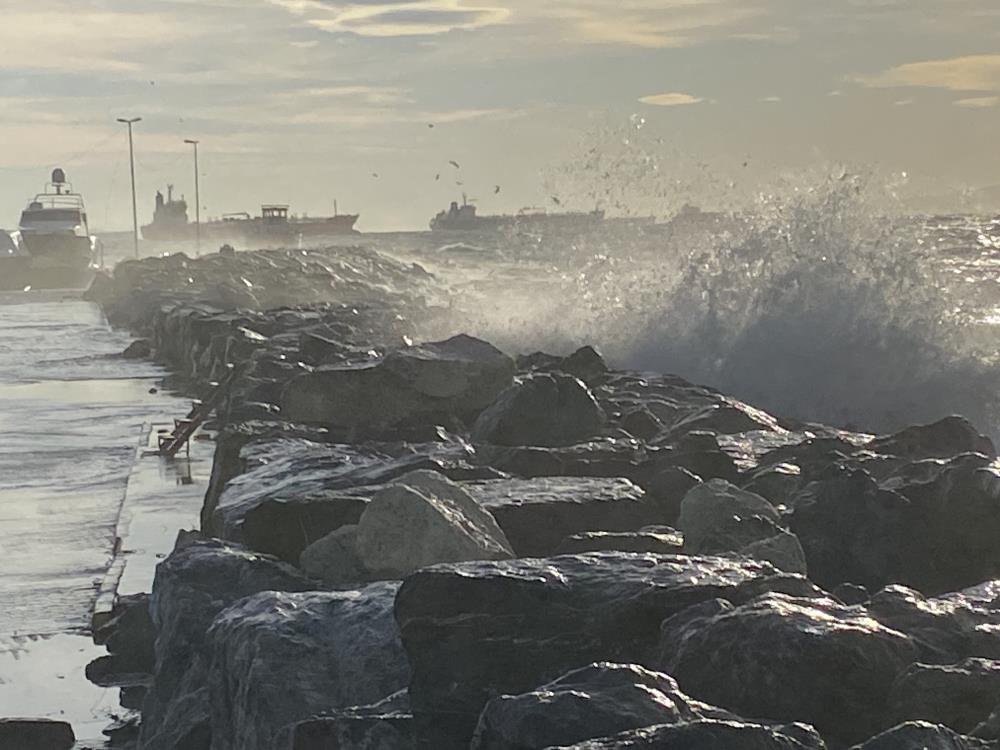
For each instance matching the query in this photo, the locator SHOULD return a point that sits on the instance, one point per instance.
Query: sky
(367, 101)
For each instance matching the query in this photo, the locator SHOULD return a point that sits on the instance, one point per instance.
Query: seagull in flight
(454, 164)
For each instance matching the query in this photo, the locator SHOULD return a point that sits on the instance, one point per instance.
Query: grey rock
(536, 515)
(425, 519)
(716, 505)
(600, 700)
(476, 630)
(386, 725)
(920, 735)
(35, 734)
(960, 696)
(460, 376)
(280, 658)
(541, 410)
(660, 540)
(942, 439)
(789, 659)
(192, 586)
(334, 558)
(717, 735)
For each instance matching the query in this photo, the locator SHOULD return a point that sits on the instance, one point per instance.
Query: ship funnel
(58, 177)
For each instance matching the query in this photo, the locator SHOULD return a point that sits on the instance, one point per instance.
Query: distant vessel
(170, 219)
(171, 223)
(464, 218)
(275, 225)
(53, 247)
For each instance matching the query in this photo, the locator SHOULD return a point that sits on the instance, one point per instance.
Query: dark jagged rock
(599, 700)
(942, 439)
(936, 535)
(789, 659)
(138, 349)
(294, 491)
(920, 735)
(386, 725)
(960, 696)
(717, 735)
(550, 410)
(538, 514)
(642, 423)
(666, 488)
(661, 540)
(777, 483)
(191, 587)
(460, 376)
(851, 593)
(946, 629)
(335, 560)
(603, 457)
(279, 658)
(704, 463)
(129, 637)
(36, 734)
(726, 417)
(474, 630)
(585, 363)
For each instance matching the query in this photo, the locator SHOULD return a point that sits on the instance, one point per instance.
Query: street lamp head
(191, 141)
(129, 122)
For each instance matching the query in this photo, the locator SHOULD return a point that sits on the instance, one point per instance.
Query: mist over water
(816, 299)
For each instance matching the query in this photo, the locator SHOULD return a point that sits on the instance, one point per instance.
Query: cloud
(970, 73)
(979, 102)
(670, 100)
(390, 18)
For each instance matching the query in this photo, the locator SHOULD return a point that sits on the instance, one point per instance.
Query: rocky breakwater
(436, 545)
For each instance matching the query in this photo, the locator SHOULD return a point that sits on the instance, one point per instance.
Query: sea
(817, 305)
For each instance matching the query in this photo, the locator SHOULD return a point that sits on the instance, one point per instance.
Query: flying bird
(430, 124)
(496, 189)
(437, 177)
(454, 164)
(556, 201)
(375, 175)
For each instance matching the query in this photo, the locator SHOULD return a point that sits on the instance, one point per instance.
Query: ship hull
(20, 272)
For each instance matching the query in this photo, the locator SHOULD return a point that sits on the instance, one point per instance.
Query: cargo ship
(53, 247)
(464, 218)
(171, 223)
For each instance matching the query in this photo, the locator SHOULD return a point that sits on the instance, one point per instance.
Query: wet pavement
(75, 422)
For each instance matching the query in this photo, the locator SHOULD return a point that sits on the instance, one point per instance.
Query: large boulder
(279, 658)
(960, 696)
(292, 491)
(334, 559)
(660, 540)
(942, 439)
(541, 410)
(386, 725)
(538, 514)
(36, 734)
(460, 376)
(476, 630)
(789, 659)
(424, 519)
(599, 700)
(920, 735)
(192, 586)
(714, 734)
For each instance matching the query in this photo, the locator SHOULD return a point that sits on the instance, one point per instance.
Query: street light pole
(131, 161)
(197, 196)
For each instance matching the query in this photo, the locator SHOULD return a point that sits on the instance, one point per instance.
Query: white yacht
(56, 247)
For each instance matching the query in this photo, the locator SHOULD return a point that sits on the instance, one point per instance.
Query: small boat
(53, 248)
(464, 218)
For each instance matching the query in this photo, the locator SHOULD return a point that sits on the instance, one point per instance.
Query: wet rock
(920, 735)
(600, 700)
(279, 658)
(851, 593)
(585, 363)
(424, 519)
(704, 463)
(549, 410)
(294, 491)
(138, 349)
(789, 659)
(603, 457)
(660, 540)
(960, 696)
(849, 529)
(334, 559)
(718, 735)
(727, 417)
(777, 484)
(387, 725)
(946, 629)
(642, 423)
(536, 515)
(192, 586)
(943, 439)
(475, 630)
(666, 488)
(715, 506)
(36, 734)
(460, 376)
